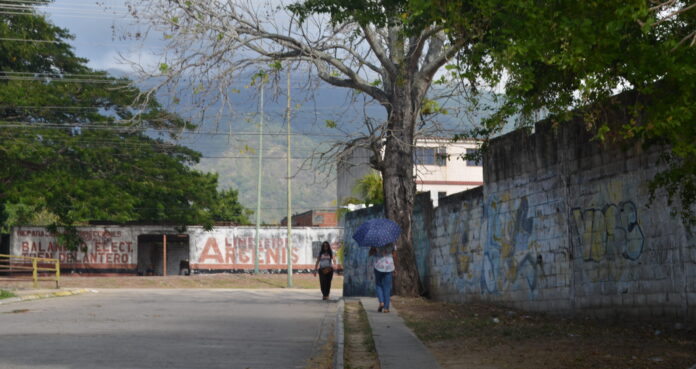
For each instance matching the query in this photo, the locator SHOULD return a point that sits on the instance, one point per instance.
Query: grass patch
(360, 351)
(4, 294)
(369, 342)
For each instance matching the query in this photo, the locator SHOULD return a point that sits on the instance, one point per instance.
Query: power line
(57, 74)
(37, 2)
(11, 9)
(28, 40)
(126, 129)
(65, 80)
(4, 4)
(69, 15)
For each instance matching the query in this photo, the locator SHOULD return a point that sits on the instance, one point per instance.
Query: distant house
(440, 168)
(313, 218)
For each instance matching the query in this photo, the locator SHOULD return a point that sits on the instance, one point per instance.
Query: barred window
(473, 158)
(430, 156)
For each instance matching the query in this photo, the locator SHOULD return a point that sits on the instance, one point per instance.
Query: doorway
(152, 253)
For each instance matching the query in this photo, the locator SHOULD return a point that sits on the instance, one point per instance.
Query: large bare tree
(212, 42)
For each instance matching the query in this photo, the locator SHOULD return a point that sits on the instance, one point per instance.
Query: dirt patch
(323, 359)
(481, 336)
(359, 346)
(222, 280)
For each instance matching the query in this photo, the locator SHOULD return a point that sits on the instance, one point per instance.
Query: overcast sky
(97, 28)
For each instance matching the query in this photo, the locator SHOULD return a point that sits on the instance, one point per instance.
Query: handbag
(326, 270)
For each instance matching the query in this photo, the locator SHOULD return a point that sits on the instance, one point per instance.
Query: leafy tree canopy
(79, 145)
(555, 57)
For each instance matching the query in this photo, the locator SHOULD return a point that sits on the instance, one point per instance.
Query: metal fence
(18, 268)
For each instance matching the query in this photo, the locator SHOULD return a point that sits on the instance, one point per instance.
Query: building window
(318, 219)
(441, 156)
(430, 156)
(473, 158)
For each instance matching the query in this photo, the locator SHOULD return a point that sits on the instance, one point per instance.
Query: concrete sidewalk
(397, 346)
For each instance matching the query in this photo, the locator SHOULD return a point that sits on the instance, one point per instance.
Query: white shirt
(385, 261)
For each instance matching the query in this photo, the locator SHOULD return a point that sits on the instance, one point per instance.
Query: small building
(313, 218)
(440, 167)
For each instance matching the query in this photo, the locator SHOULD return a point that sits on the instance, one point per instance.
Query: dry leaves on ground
(486, 336)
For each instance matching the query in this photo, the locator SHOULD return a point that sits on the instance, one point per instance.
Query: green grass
(369, 342)
(6, 294)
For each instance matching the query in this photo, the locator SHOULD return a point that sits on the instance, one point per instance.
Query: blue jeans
(383, 285)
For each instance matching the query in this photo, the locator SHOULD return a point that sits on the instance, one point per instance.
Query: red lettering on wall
(295, 257)
(211, 251)
(244, 256)
(272, 256)
(229, 251)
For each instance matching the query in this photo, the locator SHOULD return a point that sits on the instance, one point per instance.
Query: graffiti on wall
(490, 254)
(358, 274)
(421, 245)
(462, 249)
(507, 258)
(608, 233)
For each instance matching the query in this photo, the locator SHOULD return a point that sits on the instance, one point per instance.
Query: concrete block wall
(358, 276)
(562, 224)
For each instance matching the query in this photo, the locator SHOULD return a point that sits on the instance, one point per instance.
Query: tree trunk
(400, 187)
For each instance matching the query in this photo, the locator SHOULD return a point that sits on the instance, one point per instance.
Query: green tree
(563, 55)
(360, 45)
(369, 191)
(79, 145)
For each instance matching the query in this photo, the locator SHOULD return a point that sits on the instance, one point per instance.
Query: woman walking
(324, 265)
(384, 270)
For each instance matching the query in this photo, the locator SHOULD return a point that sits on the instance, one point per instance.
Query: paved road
(170, 329)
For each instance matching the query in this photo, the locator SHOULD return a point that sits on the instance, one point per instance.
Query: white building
(440, 168)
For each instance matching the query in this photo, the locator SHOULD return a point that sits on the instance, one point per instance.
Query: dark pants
(325, 282)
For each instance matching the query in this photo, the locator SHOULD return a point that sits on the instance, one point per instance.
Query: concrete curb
(43, 295)
(340, 340)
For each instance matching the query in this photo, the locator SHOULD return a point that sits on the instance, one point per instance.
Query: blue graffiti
(608, 232)
(508, 236)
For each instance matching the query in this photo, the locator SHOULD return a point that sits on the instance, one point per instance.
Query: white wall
(233, 248)
(115, 248)
(105, 247)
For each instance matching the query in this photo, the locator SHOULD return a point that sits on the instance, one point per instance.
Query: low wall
(115, 249)
(562, 224)
(232, 249)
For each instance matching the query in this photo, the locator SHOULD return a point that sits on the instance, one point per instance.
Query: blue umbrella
(376, 233)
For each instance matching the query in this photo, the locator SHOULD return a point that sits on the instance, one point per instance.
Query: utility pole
(258, 185)
(289, 243)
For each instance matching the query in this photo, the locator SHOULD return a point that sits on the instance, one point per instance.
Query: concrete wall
(114, 249)
(358, 276)
(562, 224)
(108, 249)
